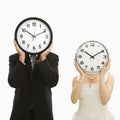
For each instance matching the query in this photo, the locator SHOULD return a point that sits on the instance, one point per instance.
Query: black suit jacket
(33, 88)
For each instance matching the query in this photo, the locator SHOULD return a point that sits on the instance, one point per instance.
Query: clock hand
(39, 33)
(89, 55)
(29, 33)
(98, 53)
(34, 34)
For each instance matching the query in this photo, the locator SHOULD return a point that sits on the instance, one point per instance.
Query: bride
(93, 93)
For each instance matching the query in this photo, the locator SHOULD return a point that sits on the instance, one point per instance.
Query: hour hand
(24, 30)
(89, 54)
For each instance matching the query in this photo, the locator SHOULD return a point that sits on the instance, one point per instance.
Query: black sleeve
(17, 72)
(49, 70)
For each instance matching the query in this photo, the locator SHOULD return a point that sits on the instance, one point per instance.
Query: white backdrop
(72, 22)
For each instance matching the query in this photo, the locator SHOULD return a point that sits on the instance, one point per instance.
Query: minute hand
(39, 33)
(98, 53)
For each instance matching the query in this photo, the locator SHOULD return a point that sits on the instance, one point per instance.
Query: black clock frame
(33, 18)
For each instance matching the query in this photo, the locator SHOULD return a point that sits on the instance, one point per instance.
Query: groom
(33, 97)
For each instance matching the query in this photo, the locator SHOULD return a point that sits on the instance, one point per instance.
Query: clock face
(91, 56)
(33, 35)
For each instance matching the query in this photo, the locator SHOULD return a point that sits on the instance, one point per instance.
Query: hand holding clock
(44, 54)
(78, 68)
(20, 52)
(105, 68)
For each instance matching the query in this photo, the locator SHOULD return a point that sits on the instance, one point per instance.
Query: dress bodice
(90, 105)
(90, 97)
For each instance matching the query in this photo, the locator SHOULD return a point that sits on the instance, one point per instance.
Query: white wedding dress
(90, 106)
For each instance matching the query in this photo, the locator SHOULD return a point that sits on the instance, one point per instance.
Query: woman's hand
(44, 54)
(20, 52)
(105, 68)
(78, 68)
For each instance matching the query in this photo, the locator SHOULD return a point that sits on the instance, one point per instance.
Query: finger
(15, 43)
(16, 46)
(108, 61)
(51, 44)
(108, 65)
(109, 75)
(50, 47)
(75, 59)
(78, 67)
(75, 63)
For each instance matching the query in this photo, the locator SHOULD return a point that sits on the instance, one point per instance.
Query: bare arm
(77, 84)
(76, 89)
(106, 87)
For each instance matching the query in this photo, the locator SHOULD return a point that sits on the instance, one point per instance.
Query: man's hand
(44, 54)
(20, 52)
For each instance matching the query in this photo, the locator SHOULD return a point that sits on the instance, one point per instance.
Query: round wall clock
(33, 35)
(91, 56)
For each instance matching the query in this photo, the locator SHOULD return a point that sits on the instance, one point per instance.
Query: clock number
(92, 69)
(81, 62)
(23, 42)
(44, 42)
(98, 67)
(46, 36)
(28, 25)
(103, 63)
(44, 30)
(21, 35)
(86, 66)
(23, 30)
(28, 45)
(79, 56)
(34, 24)
(92, 44)
(82, 50)
(86, 46)
(34, 48)
(39, 46)
(104, 56)
(40, 26)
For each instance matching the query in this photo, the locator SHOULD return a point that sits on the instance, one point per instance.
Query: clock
(91, 56)
(33, 35)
